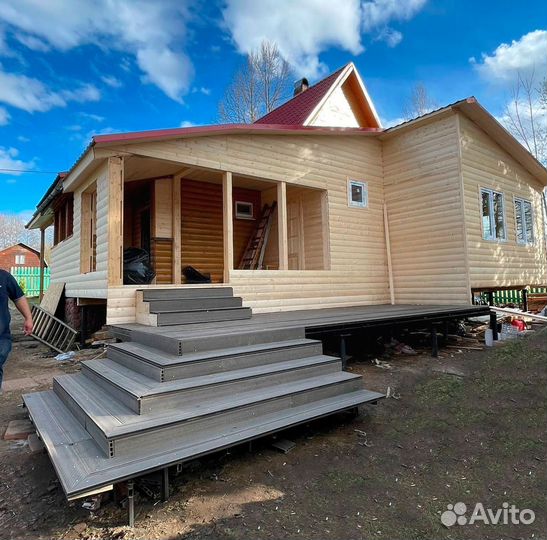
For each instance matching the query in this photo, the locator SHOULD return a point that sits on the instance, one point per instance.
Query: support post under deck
(434, 343)
(130, 503)
(343, 349)
(494, 325)
(524, 300)
(165, 484)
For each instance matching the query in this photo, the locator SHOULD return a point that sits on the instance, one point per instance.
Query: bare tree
(258, 87)
(12, 231)
(525, 115)
(419, 102)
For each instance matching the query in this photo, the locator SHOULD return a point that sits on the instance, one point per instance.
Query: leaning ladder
(51, 331)
(253, 256)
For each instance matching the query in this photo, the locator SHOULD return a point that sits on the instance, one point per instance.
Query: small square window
(357, 194)
(19, 259)
(244, 210)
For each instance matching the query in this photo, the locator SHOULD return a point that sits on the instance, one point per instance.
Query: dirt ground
(467, 427)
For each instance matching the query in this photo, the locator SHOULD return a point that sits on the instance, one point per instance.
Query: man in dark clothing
(10, 290)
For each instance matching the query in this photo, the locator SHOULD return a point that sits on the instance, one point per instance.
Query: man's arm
(22, 305)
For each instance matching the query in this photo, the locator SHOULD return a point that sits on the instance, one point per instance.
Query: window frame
(491, 192)
(239, 215)
(364, 185)
(18, 258)
(63, 220)
(520, 201)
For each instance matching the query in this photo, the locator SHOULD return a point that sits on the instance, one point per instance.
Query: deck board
(313, 320)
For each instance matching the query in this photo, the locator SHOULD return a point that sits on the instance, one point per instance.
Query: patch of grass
(439, 391)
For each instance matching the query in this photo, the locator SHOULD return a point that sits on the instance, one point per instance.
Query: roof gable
(339, 100)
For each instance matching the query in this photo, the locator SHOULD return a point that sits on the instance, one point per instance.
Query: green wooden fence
(28, 278)
(511, 297)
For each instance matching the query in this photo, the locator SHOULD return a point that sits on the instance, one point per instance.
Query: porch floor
(314, 321)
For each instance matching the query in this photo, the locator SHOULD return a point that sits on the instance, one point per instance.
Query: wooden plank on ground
(51, 297)
(510, 311)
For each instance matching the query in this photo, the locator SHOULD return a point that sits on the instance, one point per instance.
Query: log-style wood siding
(65, 256)
(424, 207)
(503, 263)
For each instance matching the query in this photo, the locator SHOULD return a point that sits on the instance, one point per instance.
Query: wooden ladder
(253, 256)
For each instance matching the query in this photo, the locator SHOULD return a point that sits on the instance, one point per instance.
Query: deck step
(69, 445)
(171, 318)
(186, 293)
(162, 366)
(144, 395)
(118, 430)
(192, 304)
(209, 341)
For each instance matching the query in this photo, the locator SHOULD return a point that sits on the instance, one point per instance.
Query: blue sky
(71, 68)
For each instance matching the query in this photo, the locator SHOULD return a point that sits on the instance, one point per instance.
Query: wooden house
(19, 255)
(421, 213)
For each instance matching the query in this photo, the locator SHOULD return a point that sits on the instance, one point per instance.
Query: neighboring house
(19, 255)
(421, 213)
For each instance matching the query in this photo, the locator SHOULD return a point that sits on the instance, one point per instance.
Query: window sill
(495, 240)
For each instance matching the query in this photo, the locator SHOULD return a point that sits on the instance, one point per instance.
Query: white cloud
(33, 95)
(304, 29)
(91, 116)
(32, 42)
(378, 13)
(153, 32)
(187, 123)
(111, 81)
(4, 117)
(202, 90)
(23, 139)
(171, 71)
(9, 161)
(301, 30)
(390, 36)
(527, 54)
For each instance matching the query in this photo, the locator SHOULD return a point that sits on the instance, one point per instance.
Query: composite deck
(309, 322)
(169, 394)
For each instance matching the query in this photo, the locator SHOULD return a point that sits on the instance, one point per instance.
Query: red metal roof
(296, 110)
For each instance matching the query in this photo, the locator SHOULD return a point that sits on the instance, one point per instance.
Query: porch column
(42, 261)
(228, 225)
(282, 226)
(176, 234)
(115, 221)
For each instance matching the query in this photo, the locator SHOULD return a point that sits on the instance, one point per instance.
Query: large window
(493, 215)
(64, 217)
(524, 221)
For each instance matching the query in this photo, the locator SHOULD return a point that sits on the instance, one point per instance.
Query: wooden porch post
(42, 261)
(282, 226)
(115, 221)
(177, 256)
(228, 225)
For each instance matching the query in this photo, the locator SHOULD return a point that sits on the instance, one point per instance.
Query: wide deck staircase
(159, 400)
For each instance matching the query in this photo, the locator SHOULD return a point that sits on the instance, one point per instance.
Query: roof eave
(477, 113)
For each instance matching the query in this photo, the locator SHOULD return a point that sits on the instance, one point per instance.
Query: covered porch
(204, 218)
(207, 219)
